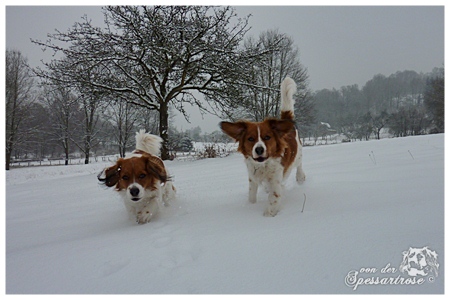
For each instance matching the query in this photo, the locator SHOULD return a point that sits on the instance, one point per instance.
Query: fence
(60, 162)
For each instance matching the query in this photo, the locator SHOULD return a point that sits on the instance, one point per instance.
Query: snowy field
(366, 203)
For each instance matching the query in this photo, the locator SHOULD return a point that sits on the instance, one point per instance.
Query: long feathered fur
(288, 89)
(148, 142)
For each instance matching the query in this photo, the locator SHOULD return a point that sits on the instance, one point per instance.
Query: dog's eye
(125, 177)
(142, 176)
(266, 138)
(251, 139)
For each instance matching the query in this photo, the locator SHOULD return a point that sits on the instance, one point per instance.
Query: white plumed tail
(149, 143)
(288, 89)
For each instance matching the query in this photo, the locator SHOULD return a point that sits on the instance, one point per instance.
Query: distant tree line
(405, 103)
(51, 121)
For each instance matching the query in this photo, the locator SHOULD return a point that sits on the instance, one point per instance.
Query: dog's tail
(148, 142)
(288, 89)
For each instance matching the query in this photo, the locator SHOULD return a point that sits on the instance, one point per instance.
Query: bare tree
(62, 106)
(409, 120)
(91, 102)
(123, 116)
(161, 55)
(19, 97)
(435, 100)
(379, 122)
(261, 97)
(148, 119)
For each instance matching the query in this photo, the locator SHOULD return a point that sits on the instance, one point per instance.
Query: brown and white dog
(141, 179)
(272, 149)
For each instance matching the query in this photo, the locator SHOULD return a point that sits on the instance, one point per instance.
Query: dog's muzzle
(259, 151)
(134, 192)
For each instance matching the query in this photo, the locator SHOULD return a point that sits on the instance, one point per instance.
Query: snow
(366, 203)
(325, 124)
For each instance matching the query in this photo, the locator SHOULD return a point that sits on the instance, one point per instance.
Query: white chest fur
(265, 172)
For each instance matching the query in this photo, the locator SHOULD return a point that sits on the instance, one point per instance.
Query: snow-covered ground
(366, 203)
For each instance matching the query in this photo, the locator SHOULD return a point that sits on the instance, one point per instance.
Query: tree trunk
(8, 159)
(9, 147)
(164, 129)
(87, 149)
(122, 148)
(66, 150)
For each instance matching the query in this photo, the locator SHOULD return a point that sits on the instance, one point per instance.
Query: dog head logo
(419, 262)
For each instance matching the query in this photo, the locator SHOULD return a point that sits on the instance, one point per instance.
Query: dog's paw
(301, 177)
(144, 216)
(271, 211)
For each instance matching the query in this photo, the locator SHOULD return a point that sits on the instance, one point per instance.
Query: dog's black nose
(134, 191)
(259, 150)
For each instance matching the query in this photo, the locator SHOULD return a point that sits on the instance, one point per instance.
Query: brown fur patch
(146, 170)
(287, 115)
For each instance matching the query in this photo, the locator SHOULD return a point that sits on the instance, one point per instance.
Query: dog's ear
(155, 166)
(282, 126)
(110, 176)
(234, 130)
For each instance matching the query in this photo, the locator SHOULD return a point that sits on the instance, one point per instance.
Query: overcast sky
(339, 45)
